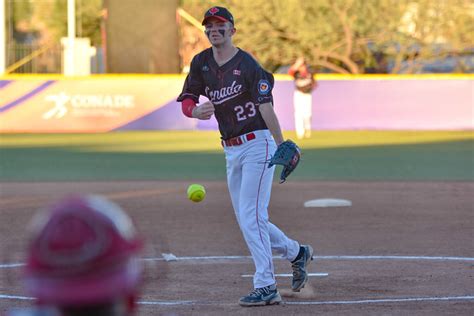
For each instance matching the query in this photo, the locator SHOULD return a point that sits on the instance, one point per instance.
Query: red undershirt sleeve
(187, 107)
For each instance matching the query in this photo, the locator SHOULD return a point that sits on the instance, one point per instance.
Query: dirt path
(420, 232)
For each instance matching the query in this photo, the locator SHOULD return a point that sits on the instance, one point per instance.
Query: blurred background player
(305, 83)
(240, 96)
(82, 260)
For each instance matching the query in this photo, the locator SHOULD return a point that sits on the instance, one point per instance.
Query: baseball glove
(288, 155)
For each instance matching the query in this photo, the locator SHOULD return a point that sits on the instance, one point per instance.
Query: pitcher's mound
(305, 293)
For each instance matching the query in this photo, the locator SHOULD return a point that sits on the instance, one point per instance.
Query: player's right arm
(192, 89)
(294, 68)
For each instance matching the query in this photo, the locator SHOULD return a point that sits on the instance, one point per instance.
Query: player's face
(218, 32)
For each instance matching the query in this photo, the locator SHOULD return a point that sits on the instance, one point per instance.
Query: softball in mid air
(196, 192)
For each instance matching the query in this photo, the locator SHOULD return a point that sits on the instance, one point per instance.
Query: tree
(88, 18)
(350, 36)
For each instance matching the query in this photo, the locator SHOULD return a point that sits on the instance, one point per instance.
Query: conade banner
(54, 104)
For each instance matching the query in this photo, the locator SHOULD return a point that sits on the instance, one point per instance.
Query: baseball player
(240, 96)
(302, 98)
(82, 260)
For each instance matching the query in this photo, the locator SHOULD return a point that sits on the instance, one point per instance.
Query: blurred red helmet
(83, 251)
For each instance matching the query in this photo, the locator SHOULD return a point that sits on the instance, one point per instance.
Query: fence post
(69, 65)
(3, 39)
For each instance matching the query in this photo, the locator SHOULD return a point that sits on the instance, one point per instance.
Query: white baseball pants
(250, 182)
(303, 105)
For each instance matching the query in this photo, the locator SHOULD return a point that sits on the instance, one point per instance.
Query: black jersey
(236, 89)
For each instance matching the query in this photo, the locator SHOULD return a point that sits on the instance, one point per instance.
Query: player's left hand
(288, 155)
(204, 111)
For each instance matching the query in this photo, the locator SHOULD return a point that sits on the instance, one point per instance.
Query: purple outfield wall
(108, 103)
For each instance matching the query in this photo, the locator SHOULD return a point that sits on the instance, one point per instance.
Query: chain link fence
(47, 62)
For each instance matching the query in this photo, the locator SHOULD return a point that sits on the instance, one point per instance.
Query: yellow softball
(196, 192)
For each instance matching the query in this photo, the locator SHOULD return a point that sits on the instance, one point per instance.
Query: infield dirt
(415, 219)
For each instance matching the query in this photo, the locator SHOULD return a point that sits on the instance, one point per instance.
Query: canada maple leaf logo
(213, 10)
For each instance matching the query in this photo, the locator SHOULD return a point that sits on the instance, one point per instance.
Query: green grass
(328, 155)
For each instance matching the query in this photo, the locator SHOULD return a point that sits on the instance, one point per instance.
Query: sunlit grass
(335, 139)
(209, 141)
(327, 155)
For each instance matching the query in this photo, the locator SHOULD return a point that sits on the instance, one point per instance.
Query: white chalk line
(16, 297)
(394, 258)
(434, 258)
(173, 303)
(387, 300)
(374, 301)
(197, 258)
(289, 275)
(11, 265)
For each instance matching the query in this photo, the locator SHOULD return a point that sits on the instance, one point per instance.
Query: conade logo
(92, 103)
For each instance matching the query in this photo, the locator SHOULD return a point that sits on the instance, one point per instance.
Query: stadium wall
(54, 104)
